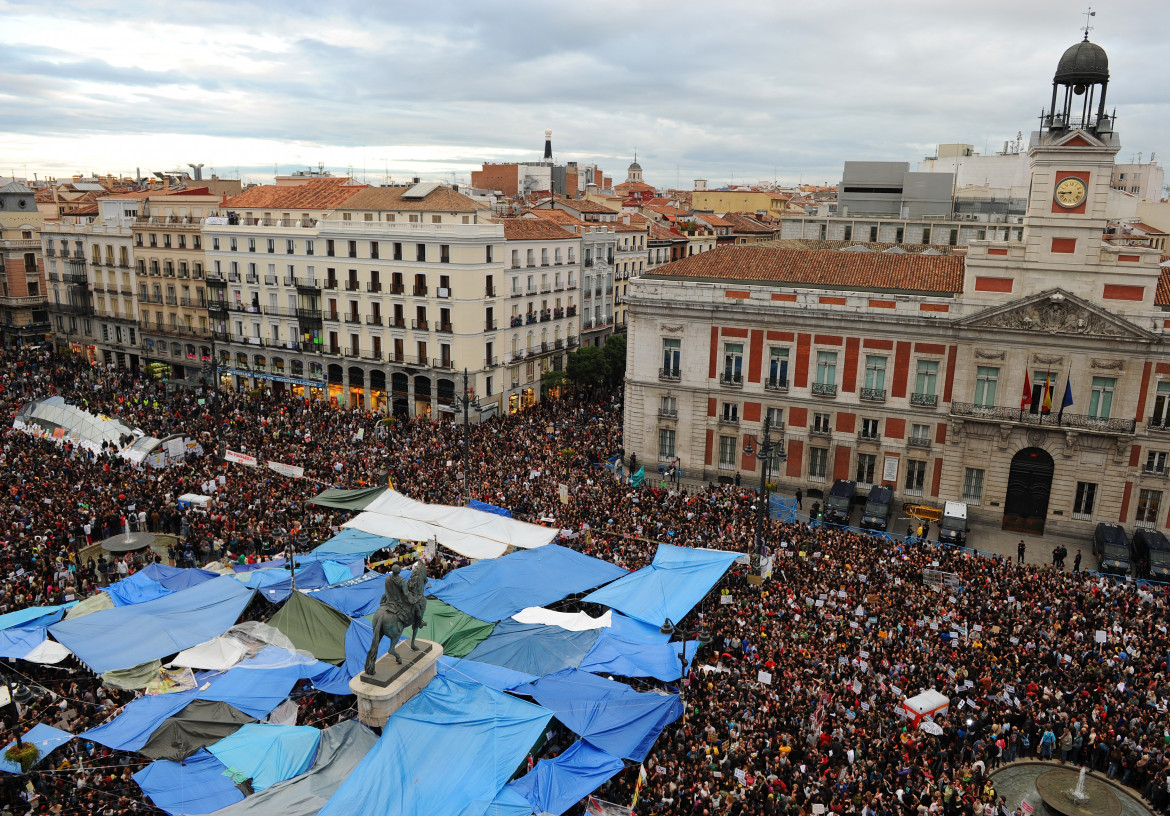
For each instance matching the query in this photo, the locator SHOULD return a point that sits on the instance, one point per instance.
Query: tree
(586, 367)
(553, 378)
(615, 359)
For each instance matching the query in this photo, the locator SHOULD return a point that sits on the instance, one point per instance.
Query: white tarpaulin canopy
(929, 703)
(472, 533)
(578, 622)
(218, 654)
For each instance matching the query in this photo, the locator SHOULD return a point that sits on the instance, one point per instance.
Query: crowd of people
(792, 707)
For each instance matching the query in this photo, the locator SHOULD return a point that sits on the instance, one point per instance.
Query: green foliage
(586, 367)
(553, 378)
(26, 755)
(615, 359)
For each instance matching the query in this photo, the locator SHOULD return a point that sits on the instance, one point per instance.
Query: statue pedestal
(381, 694)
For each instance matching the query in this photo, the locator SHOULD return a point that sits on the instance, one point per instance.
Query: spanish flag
(1046, 401)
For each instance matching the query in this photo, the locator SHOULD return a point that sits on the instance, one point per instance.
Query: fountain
(1078, 794)
(1066, 794)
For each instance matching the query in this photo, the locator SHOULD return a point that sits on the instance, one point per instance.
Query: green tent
(313, 626)
(347, 499)
(456, 632)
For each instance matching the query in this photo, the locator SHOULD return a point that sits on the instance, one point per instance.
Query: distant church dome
(1084, 64)
(634, 166)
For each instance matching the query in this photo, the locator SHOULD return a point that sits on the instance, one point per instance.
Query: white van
(952, 527)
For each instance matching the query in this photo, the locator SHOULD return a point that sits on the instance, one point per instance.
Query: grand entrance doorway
(1028, 489)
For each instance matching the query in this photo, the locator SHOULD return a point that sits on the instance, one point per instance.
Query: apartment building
(23, 314)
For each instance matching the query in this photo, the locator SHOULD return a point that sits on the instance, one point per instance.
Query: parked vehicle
(952, 527)
(1151, 552)
(839, 503)
(1111, 546)
(876, 515)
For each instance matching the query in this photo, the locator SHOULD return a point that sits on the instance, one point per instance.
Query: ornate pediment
(1056, 312)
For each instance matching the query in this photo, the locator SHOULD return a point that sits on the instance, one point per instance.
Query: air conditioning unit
(444, 292)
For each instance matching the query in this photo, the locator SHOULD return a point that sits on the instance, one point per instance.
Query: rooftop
(533, 229)
(393, 198)
(164, 191)
(934, 274)
(318, 194)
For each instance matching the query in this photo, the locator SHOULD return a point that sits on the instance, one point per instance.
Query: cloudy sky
(727, 91)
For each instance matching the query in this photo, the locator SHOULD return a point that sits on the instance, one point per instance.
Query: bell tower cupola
(1078, 90)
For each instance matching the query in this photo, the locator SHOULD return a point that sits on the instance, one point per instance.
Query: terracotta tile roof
(318, 194)
(1162, 296)
(881, 246)
(162, 191)
(746, 225)
(533, 229)
(557, 216)
(623, 227)
(1146, 228)
(390, 198)
(713, 220)
(584, 205)
(667, 209)
(839, 270)
(660, 232)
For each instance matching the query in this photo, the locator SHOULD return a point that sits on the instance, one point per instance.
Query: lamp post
(703, 635)
(468, 402)
(676, 466)
(767, 449)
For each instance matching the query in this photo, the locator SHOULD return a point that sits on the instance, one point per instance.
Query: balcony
(820, 430)
(1154, 472)
(309, 314)
(873, 394)
(309, 284)
(216, 305)
(333, 316)
(172, 300)
(729, 419)
(330, 283)
(516, 321)
(824, 389)
(872, 437)
(270, 280)
(573, 342)
(924, 400)
(571, 311)
(353, 317)
(558, 314)
(397, 323)
(375, 356)
(918, 442)
(489, 291)
(490, 362)
(374, 320)
(420, 291)
(668, 413)
(558, 344)
(530, 318)
(776, 384)
(215, 280)
(731, 379)
(546, 316)
(396, 289)
(1158, 424)
(444, 328)
(489, 325)
(420, 325)
(1001, 415)
(374, 287)
(444, 364)
(352, 286)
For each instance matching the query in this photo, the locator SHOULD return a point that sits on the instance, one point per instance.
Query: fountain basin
(1055, 789)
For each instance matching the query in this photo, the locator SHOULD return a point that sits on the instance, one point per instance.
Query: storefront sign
(262, 375)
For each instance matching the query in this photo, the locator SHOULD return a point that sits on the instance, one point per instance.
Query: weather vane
(1088, 14)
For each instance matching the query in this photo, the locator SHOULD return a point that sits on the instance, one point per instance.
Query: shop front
(260, 379)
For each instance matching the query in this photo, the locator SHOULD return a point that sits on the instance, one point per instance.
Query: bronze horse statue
(403, 604)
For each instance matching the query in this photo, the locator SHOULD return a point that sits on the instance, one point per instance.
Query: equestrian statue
(403, 604)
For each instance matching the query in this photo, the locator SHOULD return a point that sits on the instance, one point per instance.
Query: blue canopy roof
(136, 589)
(354, 542)
(176, 578)
(497, 677)
(255, 691)
(556, 784)
(268, 754)
(678, 579)
(19, 641)
(130, 730)
(310, 576)
(475, 504)
(355, 598)
(45, 737)
(481, 736)
(197, 785)
(497, 588)
(609, 714)
(534, 648)
(31, 615)
(130, 635)
(625, 657)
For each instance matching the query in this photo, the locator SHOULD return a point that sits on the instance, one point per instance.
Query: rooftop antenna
(1088, 13)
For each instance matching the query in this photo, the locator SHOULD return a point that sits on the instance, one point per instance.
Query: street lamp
(767, 450)
(468, 402)
(703, 635)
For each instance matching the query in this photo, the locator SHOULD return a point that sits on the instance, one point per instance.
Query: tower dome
(634, 171)
(1083, 74)
(1085, 63)
(634, 166)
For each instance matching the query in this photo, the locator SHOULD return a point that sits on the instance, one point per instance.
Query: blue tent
(130, 635)
(268, 754)
(613, 654)
(451, 745)
(475, 504)
(497, 588)
(174, 578)
(497, 677)
(633, 629)
(45, 737)
(555, 785)
(507, 803)
(609, 714)
(310, 576)
(354, 542)
(534, 648)
(31, 615)
(130, 730)
(355, 598)
(136, 589)
(197, 785)
(255, 691)
(670, 587)
(19, 641)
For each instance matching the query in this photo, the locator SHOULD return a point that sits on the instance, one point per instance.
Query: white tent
(930, 703)
(217, 654)
(472, 533)
(574, 622)
(56, 418)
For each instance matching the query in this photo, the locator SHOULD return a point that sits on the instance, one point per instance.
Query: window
(926, 379)
(1161, 415)
(727, 452)
(915, 477)
(420, 252)
(848, 232)
(668, 407)
(919, 434)
(671, 357)
(251, 244)
(973, 486)
(309, 247)
(778, 367)
(873, 235)
(1101, 397)
(986, 381)
(826, 368)
(869, 429)
(329, 249)
(1156, 462)
(733, 362)
(818, 462)
(1147, 508)
(1086, 497)
(271, 245)
(731, 412)
(875, 372)
(666, 443)
(775, 417)
(899, 234)
(866, 462)
(821, 423)
(515, 259)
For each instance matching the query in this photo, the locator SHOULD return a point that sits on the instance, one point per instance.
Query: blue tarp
(489, 508)
(451, 746)
(555, 785)
(534, 648)
(310, 576)
(613, 654)
(138, 588)
(130, 635)
(130, 730)
(609, 714)
(507, 803)
(254, 691)
(197, 785)
(497, 677)
(175, 579)
(45, 737)
(268, 754)
(633, 629)
(31, 614)
(358, 637)
(678, 579)
(19, 641)
(354, 542)
(355, 598)
(275, 563)
(336, 572)
(497, 588)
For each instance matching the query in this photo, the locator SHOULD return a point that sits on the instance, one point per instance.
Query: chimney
(548, 144)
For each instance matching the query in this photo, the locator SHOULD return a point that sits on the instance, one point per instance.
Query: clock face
(1070, 192)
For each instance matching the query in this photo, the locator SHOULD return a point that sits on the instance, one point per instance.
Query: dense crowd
(843, 629)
